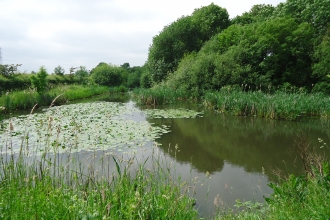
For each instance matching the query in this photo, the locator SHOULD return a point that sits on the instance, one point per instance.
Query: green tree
(185, 35)
(257, 13)
(125, 66)
(109, 75)
(39, 81)
(59, 71)
(273, 52)
(134, 76)
(145, 80)
(314, 12)
(210, 20)
(8, 70)
(321, 66)
(82, 75)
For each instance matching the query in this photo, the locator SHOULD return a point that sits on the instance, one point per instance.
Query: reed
(159, 95)
(279, 105)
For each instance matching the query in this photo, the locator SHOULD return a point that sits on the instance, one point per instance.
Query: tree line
(103, 74)
(268, 47)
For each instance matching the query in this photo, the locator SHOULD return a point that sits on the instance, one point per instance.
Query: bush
(39, 82)
(109, 75)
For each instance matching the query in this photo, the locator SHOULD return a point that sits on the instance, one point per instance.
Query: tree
(275, 51)
(183, 36)
(109, 75)
(59, 71)
(134, 76)
(8, 70)
(210, 20)
(39, 81)
(82, 75)
(314, 12)
(257, 13)
(321, 66)
(145, 81)
(125, 66)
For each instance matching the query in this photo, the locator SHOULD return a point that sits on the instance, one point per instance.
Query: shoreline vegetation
(27, 99)
(279, 105)
(53, 186)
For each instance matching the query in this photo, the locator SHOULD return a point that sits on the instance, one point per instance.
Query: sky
(73, 33)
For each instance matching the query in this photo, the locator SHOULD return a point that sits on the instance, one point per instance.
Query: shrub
(109, 75)
(39, 82)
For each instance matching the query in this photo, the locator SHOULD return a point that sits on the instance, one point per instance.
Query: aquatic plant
(158, 95)
(279, 105)
(68, 162)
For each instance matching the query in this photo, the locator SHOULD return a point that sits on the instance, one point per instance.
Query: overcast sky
(75, 33)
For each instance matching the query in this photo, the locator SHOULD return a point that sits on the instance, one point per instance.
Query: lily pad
(84, 127)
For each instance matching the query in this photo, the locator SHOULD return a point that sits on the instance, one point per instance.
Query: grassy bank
(26, 99)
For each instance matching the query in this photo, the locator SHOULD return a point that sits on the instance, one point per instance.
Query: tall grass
(159, 95)
(279, 105)
(94, 185)
(28, 98)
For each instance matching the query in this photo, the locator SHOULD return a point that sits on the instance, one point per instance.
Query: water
(229, 156)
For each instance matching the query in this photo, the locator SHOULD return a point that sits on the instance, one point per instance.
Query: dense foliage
(185, 35)
(109, 75)
(39, 81)
(286, 45)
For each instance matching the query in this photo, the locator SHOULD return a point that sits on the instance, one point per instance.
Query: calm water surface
(239, 153)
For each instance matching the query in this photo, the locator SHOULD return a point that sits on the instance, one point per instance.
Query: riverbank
(27, 99)
(279, 105)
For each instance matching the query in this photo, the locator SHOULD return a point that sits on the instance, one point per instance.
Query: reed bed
(279, 105)
(27, 99)
(41, 183)
(159, 95)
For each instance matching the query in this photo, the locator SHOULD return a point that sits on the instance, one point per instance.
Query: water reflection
(252, 143)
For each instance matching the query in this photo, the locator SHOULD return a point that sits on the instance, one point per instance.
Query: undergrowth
(27, 99)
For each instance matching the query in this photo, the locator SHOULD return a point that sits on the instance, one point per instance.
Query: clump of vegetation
(158, 95)
(109, 75)
(279, 105)
(118, 89)
(26, 99)
(39, 81)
